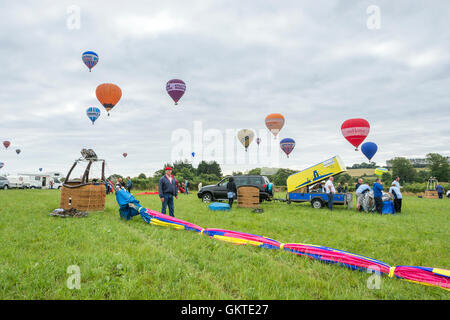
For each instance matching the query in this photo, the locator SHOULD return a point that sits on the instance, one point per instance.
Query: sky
(316, 62)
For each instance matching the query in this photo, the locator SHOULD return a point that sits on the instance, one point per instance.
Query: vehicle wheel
(31, 187)
(207, 197)
(5, 187)
(59, 188)
(317, 204)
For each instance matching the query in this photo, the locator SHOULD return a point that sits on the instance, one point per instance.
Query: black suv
(219, 191)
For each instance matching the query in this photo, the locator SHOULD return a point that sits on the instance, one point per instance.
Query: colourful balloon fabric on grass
(422, 275)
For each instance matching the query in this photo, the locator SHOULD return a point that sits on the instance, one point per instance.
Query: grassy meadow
(133, 260)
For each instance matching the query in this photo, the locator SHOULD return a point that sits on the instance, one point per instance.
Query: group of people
(362, 189)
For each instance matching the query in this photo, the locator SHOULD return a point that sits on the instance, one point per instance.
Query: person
(322, 187)
(51, 184)
(345, 187)
(329, 187)
(448, 194)
(120, 182)
(231, 191)
(186, 185)
(377, 195)
(440, 190)
(360, 192)
(397, 182)
(358, 183)
(167, 189)
(340, 188)
(200, 185)
(397, 195)
(129, 184)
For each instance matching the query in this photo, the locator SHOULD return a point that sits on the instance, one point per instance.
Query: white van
(16, 182)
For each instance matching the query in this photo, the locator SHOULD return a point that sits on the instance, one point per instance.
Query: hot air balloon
(6, 144)
(355, 131)
(274, 122)
(369, 149)
(17, 151)
(90, 59)
(124, 154)
(2, 165)
(193, 154)
(93, 113)
(246, 136)
(40, 169)
(176, 88)
(380, 171)
(287, 145)
(258, 141)
(109, 95)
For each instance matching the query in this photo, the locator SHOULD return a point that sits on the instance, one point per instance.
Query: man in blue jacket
(378, 194)
(167, 189)
(440, 190)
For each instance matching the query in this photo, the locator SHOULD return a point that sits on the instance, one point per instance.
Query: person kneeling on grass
(231, 191)
(360, 192)
(397, 195)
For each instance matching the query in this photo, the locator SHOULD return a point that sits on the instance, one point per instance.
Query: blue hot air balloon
(93, 113)
(193, 154)
(40, 169)
(287, 145)
(90, 59)
(369, 149)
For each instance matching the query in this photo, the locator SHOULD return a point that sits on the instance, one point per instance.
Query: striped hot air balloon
(287, 145)
(274, 122)
(90, 59)
(355, 131)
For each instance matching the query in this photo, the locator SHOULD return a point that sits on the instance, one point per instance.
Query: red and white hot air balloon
(355, 131)
(124, 154)
(6, 144)
(176, 88)
(274, 122)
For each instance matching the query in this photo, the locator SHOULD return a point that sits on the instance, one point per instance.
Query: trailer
(305, 186)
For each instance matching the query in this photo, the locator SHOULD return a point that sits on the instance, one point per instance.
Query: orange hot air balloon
(109, 95)
(274, 122)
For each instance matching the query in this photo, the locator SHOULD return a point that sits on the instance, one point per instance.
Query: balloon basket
(84, 194)
(248, 197)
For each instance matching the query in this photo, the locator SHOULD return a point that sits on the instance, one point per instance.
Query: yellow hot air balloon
(274, 122)
(246, 136)
(380, 171)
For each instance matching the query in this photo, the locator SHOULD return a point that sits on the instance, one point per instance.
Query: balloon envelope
(124, 154)
(287, 145)
(2, 165)
(93, 113)
(40, 169)
(369, 149)
(258, 141)
(355, 131)
(90, 59)
(246, 136)
(6, 144)
(109, 95)
(274, 122)
(175, 88)
(193, 154)
(380, 171)
(17, 151)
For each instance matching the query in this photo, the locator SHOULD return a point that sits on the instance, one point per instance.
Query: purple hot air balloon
(287, 145)
(176, 88)
(258, 141)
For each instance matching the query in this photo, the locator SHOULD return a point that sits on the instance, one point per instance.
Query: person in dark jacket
(231, 191)
(378, 194)
(440, 190)
(129, 184)
(167, 190)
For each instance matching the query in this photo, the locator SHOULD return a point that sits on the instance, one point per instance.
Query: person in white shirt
(330, 190)
(397, 195)
(397, 182)
(200, 185)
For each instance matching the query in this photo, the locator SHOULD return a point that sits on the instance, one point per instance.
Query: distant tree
(423, 175)
(236, 173)
(439, 166)
(364, 165)
(256, 171)
(211, 167)
(404, 169)
(142, 176)
(386, 178)
(279, 178)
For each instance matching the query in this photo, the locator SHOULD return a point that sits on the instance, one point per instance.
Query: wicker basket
(84, 195)
(248, 197)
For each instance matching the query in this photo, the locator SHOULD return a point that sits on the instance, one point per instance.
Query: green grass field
(133, 260)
